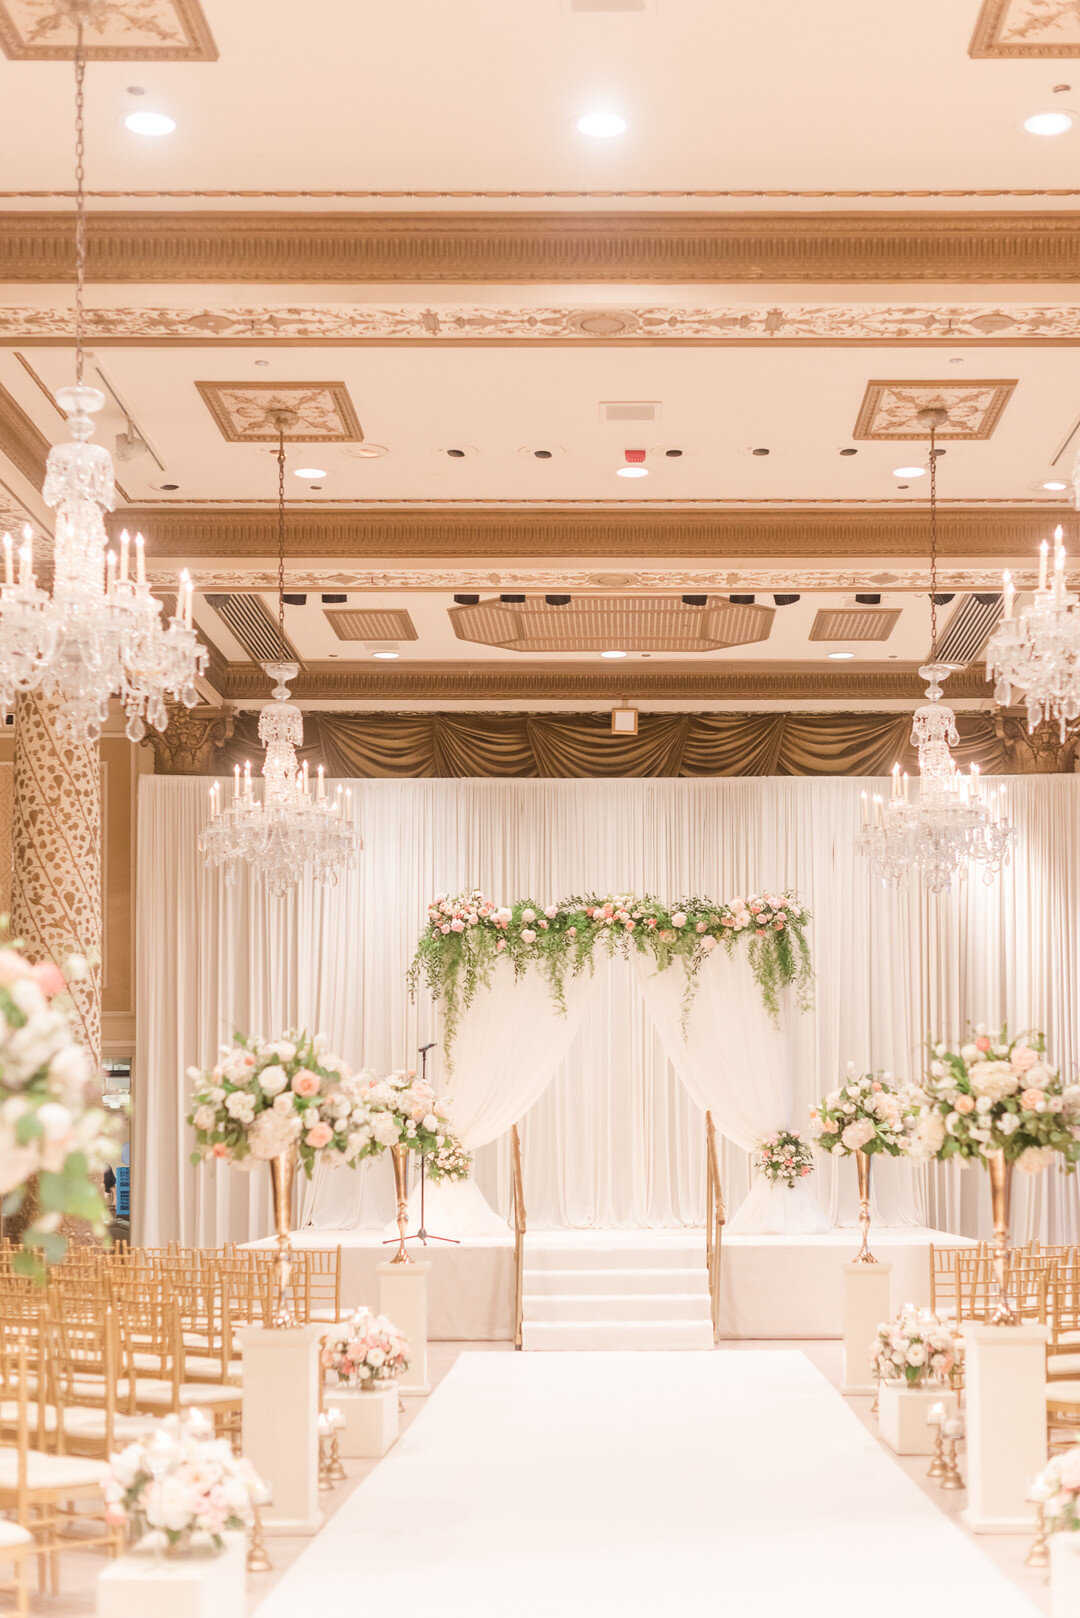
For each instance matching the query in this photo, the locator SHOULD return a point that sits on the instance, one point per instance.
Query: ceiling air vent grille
(854, 623)
(600, 623)
(968, 630)
(371, 623)
(253, 625)
(629, 410)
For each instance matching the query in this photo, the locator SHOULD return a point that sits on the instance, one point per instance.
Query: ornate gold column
(56, 833)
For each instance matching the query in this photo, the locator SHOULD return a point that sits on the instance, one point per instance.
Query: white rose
(385, 1129)
(273, 1080)
(527, 935)
(205, 1117)
(551, 912)
(240, 1105)
(284, 1050)
(431, 1123)
(678, 919)
(284, 1103)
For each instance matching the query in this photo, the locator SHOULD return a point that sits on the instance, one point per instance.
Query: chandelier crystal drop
(296, 824)
(1037, 651)
(952, 820)
(99, 634)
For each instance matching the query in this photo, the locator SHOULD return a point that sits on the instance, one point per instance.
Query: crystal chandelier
(951, 821)
(99, 634)
(1038, 650)
(295, 824)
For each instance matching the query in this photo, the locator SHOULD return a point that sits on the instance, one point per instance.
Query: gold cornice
(506, 531)
(283, 246)
(20, 441)
(674, 682)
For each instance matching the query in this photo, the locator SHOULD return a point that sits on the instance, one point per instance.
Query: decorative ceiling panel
(854, 623)
(1027, 28)
(244, 411)
(371, 623)
(890, 409)
(254, 626)
(602, 623)
(115, 31)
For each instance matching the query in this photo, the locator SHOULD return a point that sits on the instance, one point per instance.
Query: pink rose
(1031, 1099)
(700, 926)
(708, 943)
(528, 936)
(307, 1083)
(760, 931)
(445, 928)
(500, 946)
(630, 925)
(221, 1150)
(678, 919)
(543, 925)
(457, 925)
(779, 926)
(982, 1043)
(571, 932)
(48, 977)
(319, 1135)
(728, 921)
(965, 1103)
(1022, 1058)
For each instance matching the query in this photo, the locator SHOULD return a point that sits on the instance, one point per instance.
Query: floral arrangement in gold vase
(406, 1116)
(864, 1116)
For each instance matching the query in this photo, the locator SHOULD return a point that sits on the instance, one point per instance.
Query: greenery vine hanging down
(467, 935)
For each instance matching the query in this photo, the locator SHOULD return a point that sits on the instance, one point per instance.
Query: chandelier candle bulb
(1044, 551)
(896, 780)
(236, 782)
(124, 544)
(140, 559)
(865, 809)
(1006, 579)
(322, 783)
(25, 555)
(110, 569)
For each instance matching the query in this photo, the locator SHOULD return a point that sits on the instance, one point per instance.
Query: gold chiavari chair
(85, 1380)
(317, 1285)
(156, 1318)
(15, 1542)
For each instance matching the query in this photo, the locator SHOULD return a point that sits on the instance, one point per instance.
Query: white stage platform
(771, 1286)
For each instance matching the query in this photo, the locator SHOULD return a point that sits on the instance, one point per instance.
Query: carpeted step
(616, 1334)
(635, 1306)
(692, 1279)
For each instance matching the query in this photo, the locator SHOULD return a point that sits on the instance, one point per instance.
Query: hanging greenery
(467, 935)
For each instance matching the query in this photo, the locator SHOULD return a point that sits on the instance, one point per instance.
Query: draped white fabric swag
(616, 1138)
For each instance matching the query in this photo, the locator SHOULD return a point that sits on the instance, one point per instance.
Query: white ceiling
(484, 95)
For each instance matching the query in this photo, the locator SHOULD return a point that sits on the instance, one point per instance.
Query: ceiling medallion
(1038, 650)
(99, 634)
(951, 821)
(295, 824)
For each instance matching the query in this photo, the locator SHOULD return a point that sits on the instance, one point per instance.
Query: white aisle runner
(591, 1485)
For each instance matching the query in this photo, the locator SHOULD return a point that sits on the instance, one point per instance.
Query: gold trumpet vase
(1003, 1313)
(863, 1165)
(282, 1174)
(400, 1159)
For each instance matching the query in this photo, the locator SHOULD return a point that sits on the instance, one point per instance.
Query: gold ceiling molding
(244, 411)
(216, 246)
(468, 325)
(889, 410)
(1010, 28)
(309, 195)
(245, 683)
(474, 533)
(21, 442)
(115, 31)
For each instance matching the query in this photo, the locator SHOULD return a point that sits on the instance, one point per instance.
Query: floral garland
(51, 1125)
(996, 1094)
(866, 1114)
(1057, 1489)
(913, 1348)
(785, 1156)
(181, 1481)
(367, 1348)
(465, 937)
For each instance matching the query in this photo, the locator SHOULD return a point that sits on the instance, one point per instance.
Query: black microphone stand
(423, 1235)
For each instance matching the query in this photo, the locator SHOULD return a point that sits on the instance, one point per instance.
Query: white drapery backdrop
(615, 1139)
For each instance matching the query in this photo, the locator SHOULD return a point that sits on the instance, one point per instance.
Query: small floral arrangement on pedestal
(52, 1127)
(405, 1112)
(866, 1114)
(785, 1156)
(1057, 1490)
(265, 1097)
(365, 1350)
(914, 1348)
(450, 1161)
(996, 1094)
(181, 1482)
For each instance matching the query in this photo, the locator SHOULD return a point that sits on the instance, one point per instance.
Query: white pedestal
(1064, 1573)
(280, 1422)
(1005, 1373)
(403, 1299)
(902, 1414)
(371, 1420)
(866, 1305)
(199, 1586)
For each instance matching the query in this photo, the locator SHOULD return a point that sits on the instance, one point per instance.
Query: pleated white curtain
(615, 1139)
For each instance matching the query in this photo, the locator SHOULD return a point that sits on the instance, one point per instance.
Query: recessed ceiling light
(1057, 122)
(601, 125)
(386, 656)
(612, 654)
(909, 471)
(632, 471)
(309, 472)
(1055, 486)
(840, 657)
(145, 122)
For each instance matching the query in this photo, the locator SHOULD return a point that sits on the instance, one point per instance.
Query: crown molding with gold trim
(21, 442)
(245, 683)
(505, 531)
(283, 246)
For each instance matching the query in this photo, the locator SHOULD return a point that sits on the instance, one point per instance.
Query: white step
(636, 1306)
(616, 1334)
(691, 1280)
(596, 1254)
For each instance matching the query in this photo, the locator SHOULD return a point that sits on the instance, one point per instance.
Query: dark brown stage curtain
(403, 746)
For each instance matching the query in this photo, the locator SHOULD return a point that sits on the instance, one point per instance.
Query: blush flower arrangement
(914, 1348)
(865, 1114)
(785, 1157)
(450, 1161)
(365, 1350)
(181, 1482)
(405, 1111)
(467, 934)
(1057, 1489)
(263, 1098)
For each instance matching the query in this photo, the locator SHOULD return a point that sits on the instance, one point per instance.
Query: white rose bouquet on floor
(365, 1350)
(51, 1126)
(181, 1481)
(450, 1161)
(1057, 1489)
(914, 1348)
(263, 1098)
(405, 1112)
(866, 1114)
(785, 1156)
(996, 1094)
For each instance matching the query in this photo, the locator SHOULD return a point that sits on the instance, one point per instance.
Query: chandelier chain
(80, 195)
(281, 542)
(933, 546)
